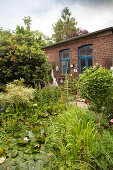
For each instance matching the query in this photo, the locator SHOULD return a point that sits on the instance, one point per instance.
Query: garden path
(80, 102)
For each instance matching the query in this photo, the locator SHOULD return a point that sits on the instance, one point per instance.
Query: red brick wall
(102, 51)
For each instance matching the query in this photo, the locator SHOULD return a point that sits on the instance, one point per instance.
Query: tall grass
(48, 94)
(71, 137)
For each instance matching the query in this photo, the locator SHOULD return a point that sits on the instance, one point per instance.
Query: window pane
(64, 54)
(82, 65)
(63, 67)
(86, 50)
(89, 62)
(68, 66)
(83, 51)
(89, 50)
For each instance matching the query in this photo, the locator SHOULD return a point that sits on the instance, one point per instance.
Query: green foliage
(65, 26)
(103, 152)
(96, 85)
(47, 95)
(71, 138)
(27, 22)
(10, 123)
(21, 56)
(23, 154)
(17, 95)
(71, 83)
(20, 30)
(4, 33)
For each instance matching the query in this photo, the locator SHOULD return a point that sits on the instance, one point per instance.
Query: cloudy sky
(92, 15)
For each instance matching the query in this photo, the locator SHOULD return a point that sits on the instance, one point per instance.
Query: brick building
(72, 55)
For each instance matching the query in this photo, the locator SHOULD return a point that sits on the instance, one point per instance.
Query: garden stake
(67, 95)
(76, 97)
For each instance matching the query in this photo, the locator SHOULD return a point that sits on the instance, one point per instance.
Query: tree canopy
(66, 27)
(21, 56)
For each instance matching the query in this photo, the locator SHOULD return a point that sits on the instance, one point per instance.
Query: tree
(65, 26)
(21, 57)
(36, 35)
(27, 22)
(20, 30)
(4, 33)
(77, 33)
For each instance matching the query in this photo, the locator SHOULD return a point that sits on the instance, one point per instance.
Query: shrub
(17, 94)
(22, 57)
(96, 85)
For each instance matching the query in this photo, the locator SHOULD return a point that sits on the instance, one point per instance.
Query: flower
(34, 82)
(45, 84)
(2, 159)
(37, 146)
(39, 86)
(27, 139)
(50, 155)
(111, 120)
(51, 86)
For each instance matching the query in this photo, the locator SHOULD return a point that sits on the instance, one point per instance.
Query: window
(65, 61)
(85, 57)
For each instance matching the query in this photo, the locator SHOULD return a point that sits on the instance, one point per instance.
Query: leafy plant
(96, 85)
(71, 138)
(10, 123)
(103, 152)
(21, 56)
(47, 95)
(70, 83)
(17, 94)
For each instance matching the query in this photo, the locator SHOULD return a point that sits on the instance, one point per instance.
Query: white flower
(35, 104)
(2, 159)
(26, 138)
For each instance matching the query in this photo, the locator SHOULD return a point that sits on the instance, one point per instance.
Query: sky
(92, 15)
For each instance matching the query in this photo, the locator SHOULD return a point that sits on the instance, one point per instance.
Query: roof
(79, 37)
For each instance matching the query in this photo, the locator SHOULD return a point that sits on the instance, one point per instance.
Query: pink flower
(45, 84)
(111, 120)
(39, 86)
(34, 82)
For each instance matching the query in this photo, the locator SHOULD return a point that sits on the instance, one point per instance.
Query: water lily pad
(1, 151)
